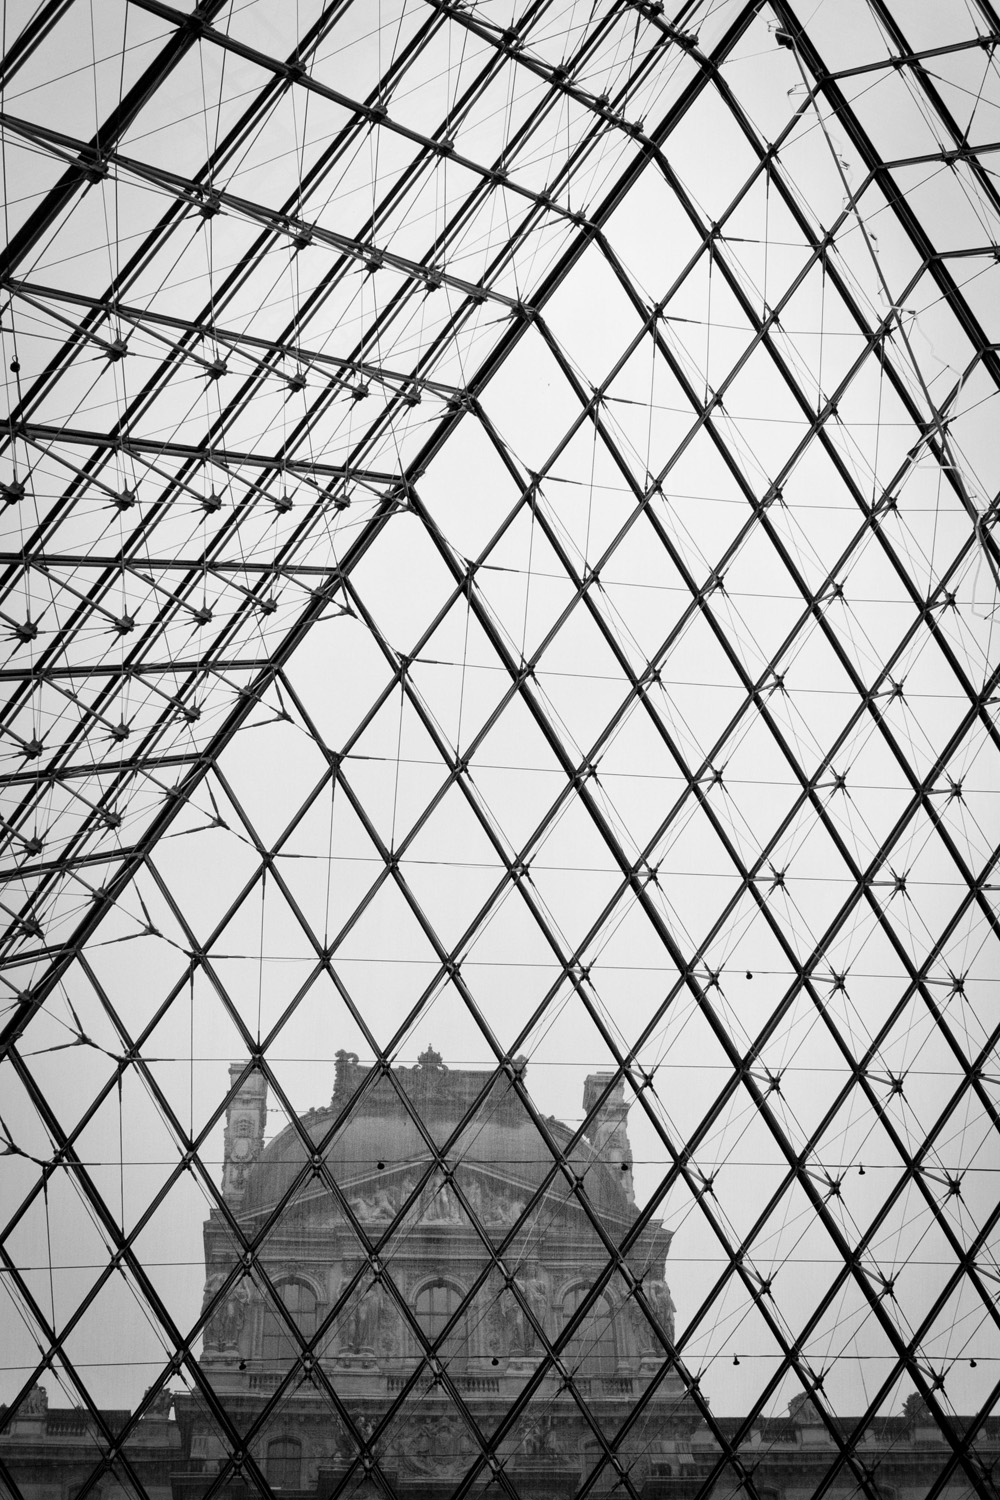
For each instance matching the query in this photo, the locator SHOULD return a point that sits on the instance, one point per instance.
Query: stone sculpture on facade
(661, 1305)
(522, 1318)
(36, 1402)
(161, 1405)
(377, 1205)
(360, 1322)
(229, 1316)
(441, 1206)
(438, 1445)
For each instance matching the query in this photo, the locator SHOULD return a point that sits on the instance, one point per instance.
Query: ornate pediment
(374, 1145)
(379, 1197)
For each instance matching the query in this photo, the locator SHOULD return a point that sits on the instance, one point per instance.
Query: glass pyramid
(499, 557)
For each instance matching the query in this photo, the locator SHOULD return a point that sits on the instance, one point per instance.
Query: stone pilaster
(608, 1129)
(244, 1138)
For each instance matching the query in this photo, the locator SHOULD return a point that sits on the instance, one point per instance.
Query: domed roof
(374, 1133)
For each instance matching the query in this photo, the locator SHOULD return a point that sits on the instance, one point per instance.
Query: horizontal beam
(298, 353)
(182, 666)
(43, 434)
(169, 564)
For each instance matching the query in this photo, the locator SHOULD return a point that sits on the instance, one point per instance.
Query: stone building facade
(382, 1290)
(55, 1453)
(418, 1246)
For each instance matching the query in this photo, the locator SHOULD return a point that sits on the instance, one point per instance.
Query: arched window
(278, 1345)
(284, 1464)
(591, 1350)
(434, 1306)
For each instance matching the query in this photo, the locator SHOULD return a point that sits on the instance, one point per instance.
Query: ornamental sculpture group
(438, 1203)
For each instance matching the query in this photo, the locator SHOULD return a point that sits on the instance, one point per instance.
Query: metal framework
(499, 507)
